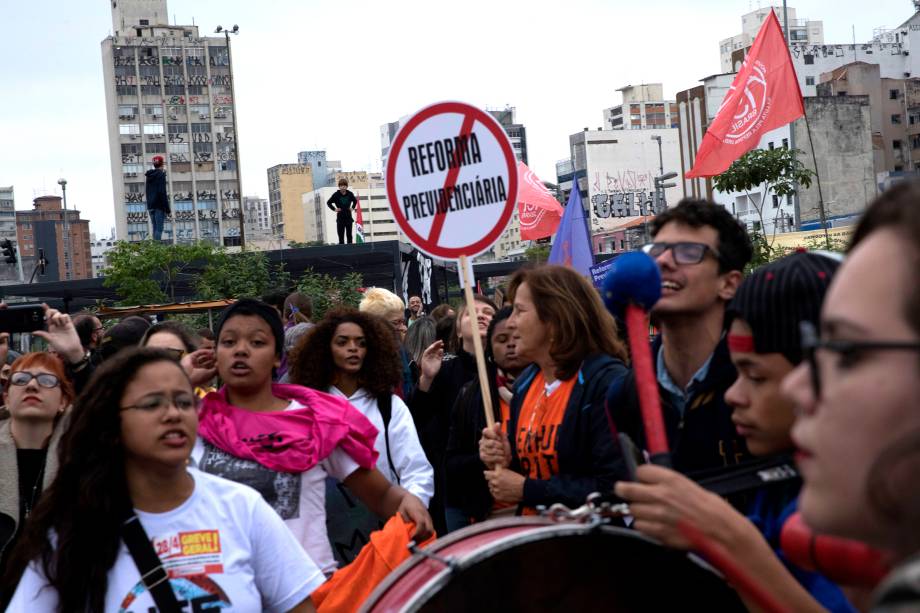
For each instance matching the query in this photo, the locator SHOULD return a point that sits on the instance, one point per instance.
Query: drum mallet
(630, 289)
(841, 560)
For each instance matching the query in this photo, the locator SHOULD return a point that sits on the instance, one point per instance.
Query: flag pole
(811, 143)
(796, 204)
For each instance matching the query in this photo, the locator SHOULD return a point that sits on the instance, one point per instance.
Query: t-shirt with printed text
(223, 548)
(538, 427)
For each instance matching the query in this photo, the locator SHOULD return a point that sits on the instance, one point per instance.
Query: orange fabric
(506, 414)
(538, 428)
(350, 586)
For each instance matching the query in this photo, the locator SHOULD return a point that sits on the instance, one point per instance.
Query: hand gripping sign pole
(452, 185)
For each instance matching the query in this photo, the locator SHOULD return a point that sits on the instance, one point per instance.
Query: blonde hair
(380, 302)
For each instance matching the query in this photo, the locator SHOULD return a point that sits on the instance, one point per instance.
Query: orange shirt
(538, 427)
(506, 414)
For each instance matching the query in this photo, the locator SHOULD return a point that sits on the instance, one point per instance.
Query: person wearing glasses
(124, 458)
(765, 346)
(701, 251)
(175, 339)
(31, 423)
(857, 429)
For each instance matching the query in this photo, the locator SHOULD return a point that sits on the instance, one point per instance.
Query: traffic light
(9, 250)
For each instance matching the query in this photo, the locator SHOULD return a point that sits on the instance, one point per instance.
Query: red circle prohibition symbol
(429, 244)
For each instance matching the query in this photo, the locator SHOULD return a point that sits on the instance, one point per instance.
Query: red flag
(764, 95)
(538, 211)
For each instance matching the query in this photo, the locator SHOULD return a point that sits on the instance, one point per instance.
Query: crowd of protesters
(149, 466)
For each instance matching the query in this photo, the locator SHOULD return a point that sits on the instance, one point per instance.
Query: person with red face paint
(765, 346)
(857, 428)
(284, 440)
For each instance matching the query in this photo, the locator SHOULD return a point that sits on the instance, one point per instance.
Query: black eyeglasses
(159, 403)
(684, 252)
(46, 380)
(848, 350)
(177, 354)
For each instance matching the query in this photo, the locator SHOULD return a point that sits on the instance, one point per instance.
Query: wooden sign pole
(477, 342)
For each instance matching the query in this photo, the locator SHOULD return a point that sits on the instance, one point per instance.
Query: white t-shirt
(223, 548)
(415, 472)
(299, 499)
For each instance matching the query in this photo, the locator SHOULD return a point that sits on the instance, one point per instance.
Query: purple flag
(572, 245)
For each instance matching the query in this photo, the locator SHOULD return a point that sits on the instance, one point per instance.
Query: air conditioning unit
(174, 117)
(220, 115)
(134, 137)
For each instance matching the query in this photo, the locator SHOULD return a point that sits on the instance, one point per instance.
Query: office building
(42, 230)
(169, 92)
(643, 107)
(287, 183)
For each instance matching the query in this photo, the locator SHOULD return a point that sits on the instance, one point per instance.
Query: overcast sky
(316, 74)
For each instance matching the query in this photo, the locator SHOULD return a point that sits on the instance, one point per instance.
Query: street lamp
(63, 183)
(236, 133)
(660, 157)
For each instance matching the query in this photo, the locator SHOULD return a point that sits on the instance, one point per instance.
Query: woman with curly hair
(350, 355)
(286, 440)
(125, 499)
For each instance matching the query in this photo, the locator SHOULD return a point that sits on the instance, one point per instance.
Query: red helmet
(158, 160)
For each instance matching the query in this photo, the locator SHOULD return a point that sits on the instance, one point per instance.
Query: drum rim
(546, 529)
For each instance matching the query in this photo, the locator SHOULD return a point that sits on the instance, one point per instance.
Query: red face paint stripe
(741, 344)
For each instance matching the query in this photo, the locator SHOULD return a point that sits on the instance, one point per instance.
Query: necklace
(30, 502)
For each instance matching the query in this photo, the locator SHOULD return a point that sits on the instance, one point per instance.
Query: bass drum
(536, 564)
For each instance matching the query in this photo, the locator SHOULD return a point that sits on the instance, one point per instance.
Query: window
(898, 168)
(153, 128)
(775, 201)
(129, 128)
(809, 80)
(895, 144)
(145, 22)
(896, 119)
(893, 94)
(809, 60)
(785, 143)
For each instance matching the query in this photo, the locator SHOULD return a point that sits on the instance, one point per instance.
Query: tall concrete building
(169, 92)
(9, 273)
(643, 107)
(258, 217)
(287, 183)
(68, 253)
(801, 32)
(324, 171)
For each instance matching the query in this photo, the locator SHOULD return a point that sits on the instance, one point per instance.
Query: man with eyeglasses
(90, 330)
(701, 251)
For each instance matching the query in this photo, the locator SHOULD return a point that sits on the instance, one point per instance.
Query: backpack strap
(153, 575)
(385, 406)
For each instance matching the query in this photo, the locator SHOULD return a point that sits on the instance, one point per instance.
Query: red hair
(49, 362)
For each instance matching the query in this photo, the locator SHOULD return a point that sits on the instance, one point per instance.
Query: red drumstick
(631, 288)
(719, 557)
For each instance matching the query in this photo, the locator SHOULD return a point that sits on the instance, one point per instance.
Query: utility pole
(236, 134)
(796, 210)
(66, 242)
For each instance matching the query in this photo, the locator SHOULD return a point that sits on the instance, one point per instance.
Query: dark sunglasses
(684, 252)
(847, 350)
(22, 378)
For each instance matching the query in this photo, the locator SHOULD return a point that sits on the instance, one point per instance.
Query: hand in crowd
(430, 364)
(200, 366)
(662, 497)
(413, 510)
(61, 335)
(505, 485)
(494, 448)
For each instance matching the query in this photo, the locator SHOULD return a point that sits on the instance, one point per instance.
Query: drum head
(607, 569)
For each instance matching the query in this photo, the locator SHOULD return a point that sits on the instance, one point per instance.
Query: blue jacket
(588, 454)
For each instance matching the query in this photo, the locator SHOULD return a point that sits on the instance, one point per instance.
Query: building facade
(804, 32)
(42, 230)
(9, 273)
(98, 250)
(257, 217)
(615, 172)
(370, 190)
(323, 170)
(168, 92)
(287, 183)
(643, 107)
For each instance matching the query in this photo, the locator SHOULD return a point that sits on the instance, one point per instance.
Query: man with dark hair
(90, 331)
(157, 196)
(701, 251)
(415, 311)
(343, 202)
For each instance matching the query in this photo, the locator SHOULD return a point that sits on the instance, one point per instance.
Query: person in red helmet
(157, 197)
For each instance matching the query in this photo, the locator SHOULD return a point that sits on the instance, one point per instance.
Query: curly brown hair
(312, 364)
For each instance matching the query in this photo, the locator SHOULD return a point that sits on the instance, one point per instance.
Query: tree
(329, 292)
(774, 170)
(148, 272)
(537, 253)
(235, 275)
(299, 245)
